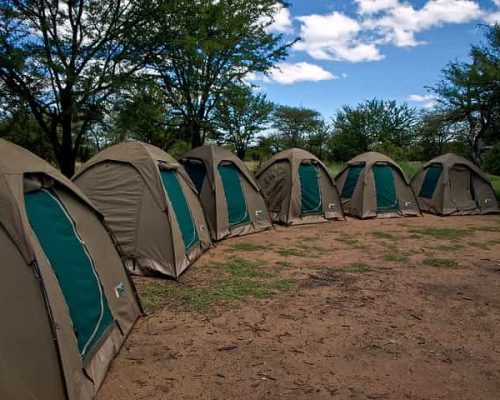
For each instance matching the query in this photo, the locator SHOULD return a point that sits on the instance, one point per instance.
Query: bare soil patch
(379, 309)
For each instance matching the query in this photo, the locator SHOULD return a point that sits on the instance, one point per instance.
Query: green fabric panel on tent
(351, 181)
(235, 198)
(73, 267)
(197, 173)
(385, 187)
(181, 208)
(310, 192)
(430, 182)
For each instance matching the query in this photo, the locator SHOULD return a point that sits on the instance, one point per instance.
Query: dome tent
(231, 199)
(151, 206)
(451, 185)
(299, 189)
(66, 301)
(373, 185)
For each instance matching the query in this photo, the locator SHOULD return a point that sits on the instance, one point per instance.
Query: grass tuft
(440, 262)
(450, 247)
(395, 257)
(247, 247)
(357, 268)
(241, 268)
(383, 235)
(442, 233)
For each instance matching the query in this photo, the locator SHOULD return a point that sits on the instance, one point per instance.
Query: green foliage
(469, 93)
(240, 115)
(492, 160)
(376, 125)
(64, 62)
(495, 181)
(204, 47)
(298, 127)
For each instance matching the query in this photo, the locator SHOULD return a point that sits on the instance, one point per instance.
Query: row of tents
(68, 304)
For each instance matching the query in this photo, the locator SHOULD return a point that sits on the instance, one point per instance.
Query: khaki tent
(151, 206)
(372, 185)
(230, 197)
(65, 298)
(299, 189)
(451, 185)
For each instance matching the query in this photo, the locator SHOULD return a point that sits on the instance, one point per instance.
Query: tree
(241, 115)
(470, 91)
(141, 114)
(64, 59)
(435, 133)
(204, 46)
(294, 124)
(373, 125)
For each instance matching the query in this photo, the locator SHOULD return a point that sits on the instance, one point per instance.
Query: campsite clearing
(403, 309)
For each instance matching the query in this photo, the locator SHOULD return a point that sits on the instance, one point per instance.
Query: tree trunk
(240, 152)
(194, 130)
(67, 158)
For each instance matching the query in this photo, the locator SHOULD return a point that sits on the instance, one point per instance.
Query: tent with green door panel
(451, 185)
(151, 206)
(299, 189)
(66, 302)
(231, 199)
(373, 185)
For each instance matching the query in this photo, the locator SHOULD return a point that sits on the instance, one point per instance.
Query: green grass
(309, 238)
(335, 168)
(410, 168)
(300, 251)
(239, 267)
(247, 247)
(357, 268)
(442, 233)
(383, 235)
(440, 262)
(489, 228)
(313, 248)
(451, 247)
(284, 264)
(349, 240)
(495, 181)
(395, 257)
(227, 293)
(480, 245)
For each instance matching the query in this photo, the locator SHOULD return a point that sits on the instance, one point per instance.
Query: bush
(492, 160)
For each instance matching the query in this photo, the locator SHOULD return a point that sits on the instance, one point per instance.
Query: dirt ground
(379, 309)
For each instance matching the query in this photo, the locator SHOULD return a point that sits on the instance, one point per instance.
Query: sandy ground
(379, 309)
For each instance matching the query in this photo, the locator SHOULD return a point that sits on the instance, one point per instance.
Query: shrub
(492, 160)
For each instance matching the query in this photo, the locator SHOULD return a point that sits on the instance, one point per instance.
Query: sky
(354, 50)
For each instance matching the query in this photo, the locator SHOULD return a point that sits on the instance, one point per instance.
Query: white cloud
(427, 101)
(497, 2)
(493, 18)
(375, 6)
(334, 37)
(282, 21)
(399, 24)
(288, 73)
(358, 38)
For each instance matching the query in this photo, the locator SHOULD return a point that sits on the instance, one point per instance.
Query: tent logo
(332, 206)
(259, 213)
(119, 290)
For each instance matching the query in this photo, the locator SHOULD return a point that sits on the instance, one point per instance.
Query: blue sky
(354, 50)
